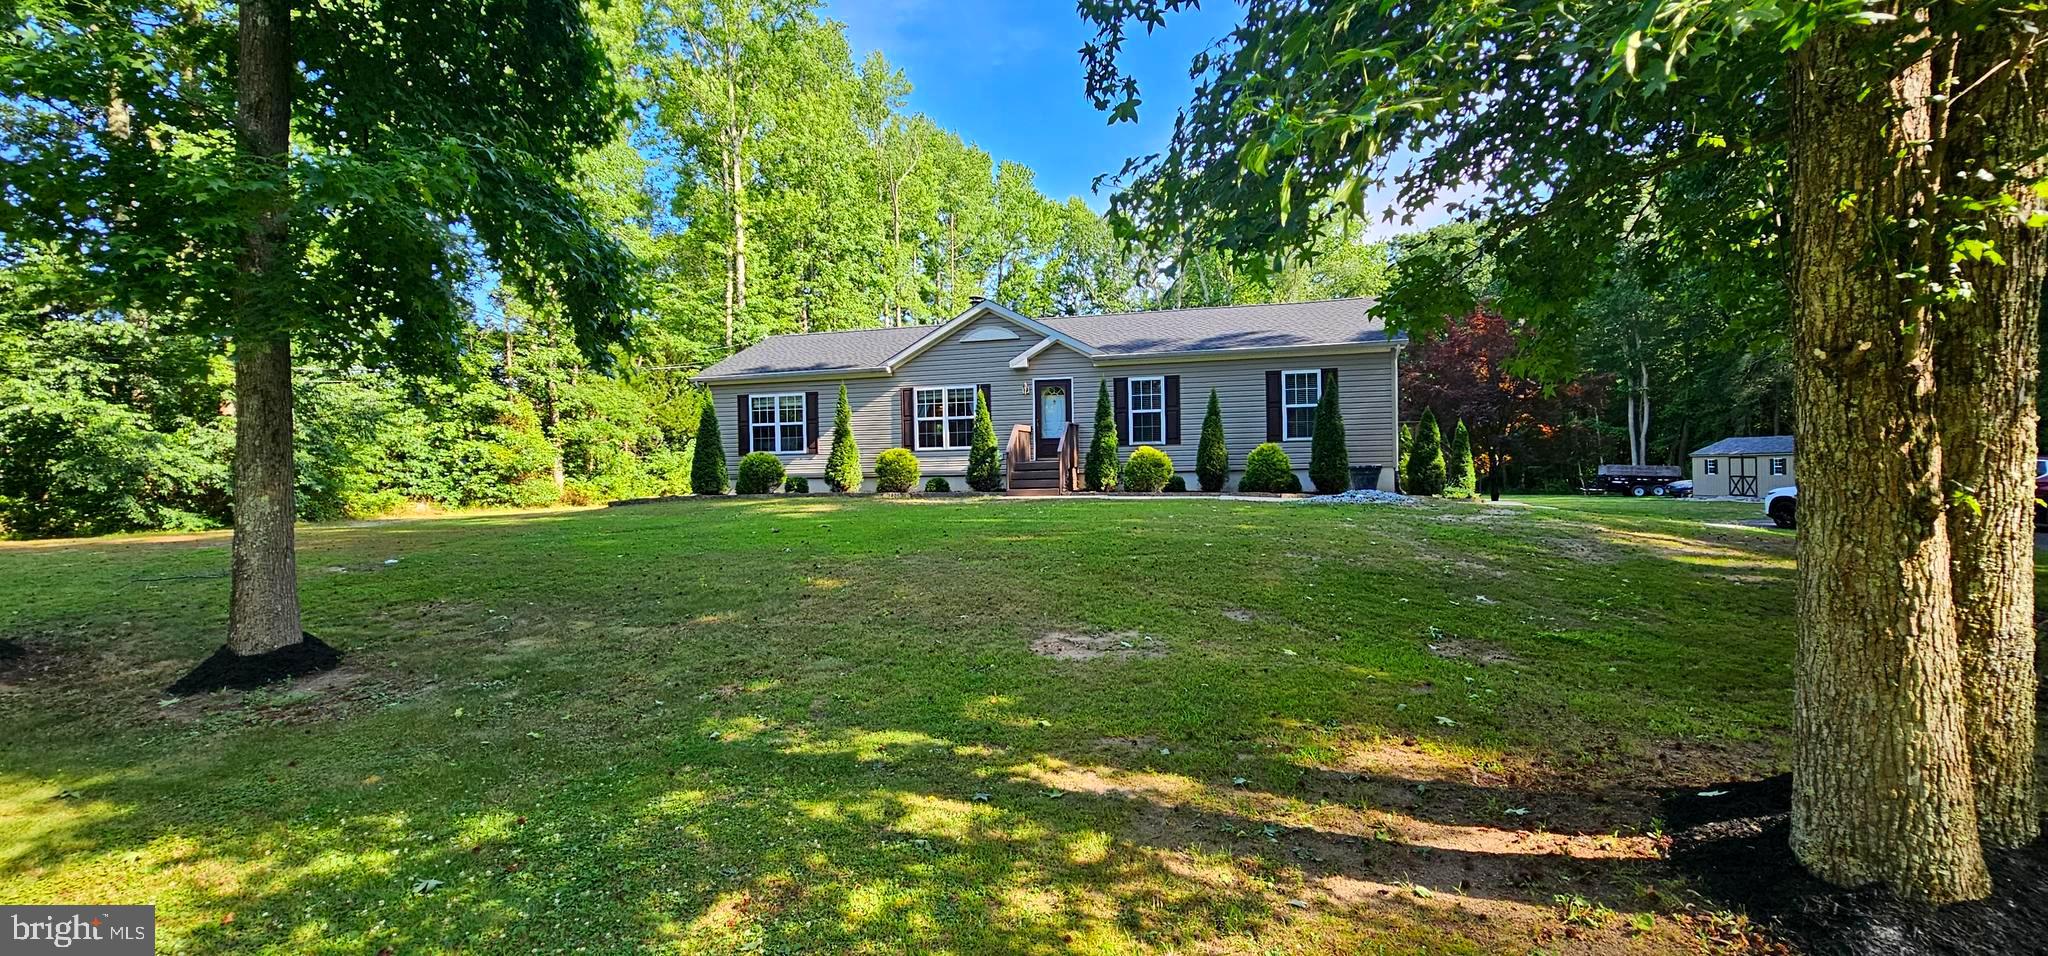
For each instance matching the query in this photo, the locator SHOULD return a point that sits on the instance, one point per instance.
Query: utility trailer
(1636, 480)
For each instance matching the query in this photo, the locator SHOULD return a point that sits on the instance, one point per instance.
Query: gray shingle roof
(1751, 445)
(1330, 322)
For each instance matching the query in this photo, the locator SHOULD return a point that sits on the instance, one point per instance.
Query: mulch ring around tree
(227, 670)
(11, 649)
(1734, 847)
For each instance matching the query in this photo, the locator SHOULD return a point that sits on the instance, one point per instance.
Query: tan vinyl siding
(1365, 386)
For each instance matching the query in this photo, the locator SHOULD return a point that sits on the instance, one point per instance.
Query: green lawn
(817, 725)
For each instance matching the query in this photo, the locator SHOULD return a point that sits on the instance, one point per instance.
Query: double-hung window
(777, 422)
(1148, 411)
(945, 416)
(1299, 393)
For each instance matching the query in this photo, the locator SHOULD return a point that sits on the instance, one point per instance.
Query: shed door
(1742, 477)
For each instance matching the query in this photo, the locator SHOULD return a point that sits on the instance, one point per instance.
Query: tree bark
(1881, 773)
(263, 609)
(1987, 371)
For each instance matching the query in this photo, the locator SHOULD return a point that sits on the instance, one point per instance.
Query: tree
(1329, 462)
(1100, 470)
(308, 198)
(1212, 456)
(1426, 458)
(707, 467)
(984, 463)
(842, 465)
(1458, 474)
(1905, 218)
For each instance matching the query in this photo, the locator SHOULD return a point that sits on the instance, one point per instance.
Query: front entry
(1055, 411)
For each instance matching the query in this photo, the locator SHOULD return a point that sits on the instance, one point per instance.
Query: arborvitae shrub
(760, 473)
(1148, 470)
(1268, 469)
(984, 464)
(1329, 463)
(1212, 456)
(1401, 456)
(707, 467)
(1459, 472)
(896, 470)
(937, 484)
(842, 466)
(1101, 470)
(1426, 458)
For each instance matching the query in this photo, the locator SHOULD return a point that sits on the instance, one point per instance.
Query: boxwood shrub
(797, 485)
(938, 484)
(1268, 469)
(1147, 470)
(760, 473)
(896, 470)
(1176, 483)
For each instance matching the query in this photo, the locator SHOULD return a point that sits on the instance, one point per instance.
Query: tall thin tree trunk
(1881, 771)
(1987, 370)
(263, 610)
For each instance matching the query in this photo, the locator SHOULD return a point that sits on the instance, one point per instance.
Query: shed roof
(1749, 445)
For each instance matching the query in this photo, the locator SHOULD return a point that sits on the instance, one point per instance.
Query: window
(1299, 393)
(1148, 411)
(1777, 466)
(1713, 466)
(777, 423)
(945, 417)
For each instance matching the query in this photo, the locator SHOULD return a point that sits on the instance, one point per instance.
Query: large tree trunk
(1987, 370)
(1881, 772)
(263, 613)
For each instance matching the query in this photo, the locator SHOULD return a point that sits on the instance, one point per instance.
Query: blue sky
(1007, 77)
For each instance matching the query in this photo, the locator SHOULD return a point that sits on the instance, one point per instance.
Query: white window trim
(918, 418)
(1317, 374)
(803, 443)
(1131, 407)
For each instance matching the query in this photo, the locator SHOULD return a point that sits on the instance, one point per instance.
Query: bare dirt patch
(1239, 614)
(1081, 646)
(1471, 650)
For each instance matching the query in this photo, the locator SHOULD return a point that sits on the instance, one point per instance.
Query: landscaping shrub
(1148, 470)
(896, 470)
(1176, 483)
(707, 469)
(984, 466)
(842, 466)
(1426, 458)
(937, 484)
(797, 485)
(1268, 469)
(1329, 462)
(1401, 457)
(1212, 456)
(1101, 470)
(760, 473)
(1459, 473)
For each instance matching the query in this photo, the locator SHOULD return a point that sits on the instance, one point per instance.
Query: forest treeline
(768, 180)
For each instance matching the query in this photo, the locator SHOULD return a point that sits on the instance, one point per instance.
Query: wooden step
(1024, 466)
(1023, 481)
(1033, 492)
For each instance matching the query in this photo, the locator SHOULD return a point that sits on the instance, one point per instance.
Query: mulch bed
(227, 670)
(1734, 847)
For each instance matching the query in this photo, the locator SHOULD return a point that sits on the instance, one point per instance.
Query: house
(914, 387)
(1742, 467)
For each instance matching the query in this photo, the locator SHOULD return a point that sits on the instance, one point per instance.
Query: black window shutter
(1272, 406)
(1173, 409)
(811, 421)
(746, 430)
(1120, 397)
(910, 419)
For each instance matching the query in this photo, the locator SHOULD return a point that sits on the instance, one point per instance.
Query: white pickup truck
(1782, 505)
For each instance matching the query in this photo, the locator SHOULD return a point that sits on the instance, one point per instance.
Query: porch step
(1035, 481)
(1017, 492)
(1036, 465)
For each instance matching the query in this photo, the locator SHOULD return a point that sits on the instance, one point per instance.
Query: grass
(819, 725)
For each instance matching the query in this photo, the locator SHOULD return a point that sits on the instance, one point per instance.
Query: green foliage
(1401, 455)
(896, 470)
(1268, 469)
(1212, 456)
(1177, 483)
(842, 465)
(797, 485)
(1329, 462)
(937, 485)
(1147, 470)
(984, 464)
(760, 473)
(1460, 473)
(707, 468)
(1426, 473)
(1100, 469)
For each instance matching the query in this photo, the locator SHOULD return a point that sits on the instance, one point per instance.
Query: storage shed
(1742, 467)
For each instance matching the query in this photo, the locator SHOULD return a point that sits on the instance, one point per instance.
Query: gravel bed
(1360, 496)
